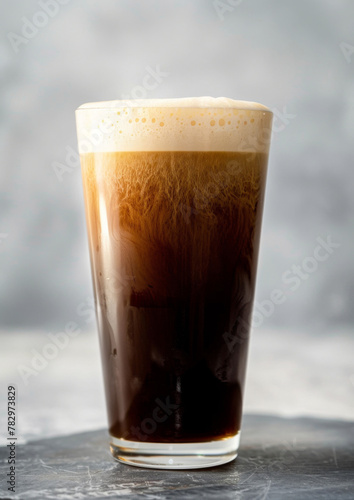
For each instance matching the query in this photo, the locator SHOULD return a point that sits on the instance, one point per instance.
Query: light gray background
(295, 57)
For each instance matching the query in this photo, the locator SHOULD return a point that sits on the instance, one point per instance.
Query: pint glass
(174, 195)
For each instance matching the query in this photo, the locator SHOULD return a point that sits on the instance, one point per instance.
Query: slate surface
(279, 458)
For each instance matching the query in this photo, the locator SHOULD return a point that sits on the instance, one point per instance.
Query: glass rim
(175, 103)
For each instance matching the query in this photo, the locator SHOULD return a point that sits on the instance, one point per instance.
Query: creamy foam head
(186, 124)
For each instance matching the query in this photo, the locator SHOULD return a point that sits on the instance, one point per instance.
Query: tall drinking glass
(174, 196)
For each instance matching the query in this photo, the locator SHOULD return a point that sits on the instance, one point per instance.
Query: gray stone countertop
(279, 458)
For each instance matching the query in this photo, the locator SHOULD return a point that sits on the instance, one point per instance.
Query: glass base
(175, 455)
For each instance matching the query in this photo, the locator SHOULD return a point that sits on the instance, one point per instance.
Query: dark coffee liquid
(174, 244)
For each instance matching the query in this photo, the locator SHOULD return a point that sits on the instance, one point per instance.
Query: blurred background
(295, 57)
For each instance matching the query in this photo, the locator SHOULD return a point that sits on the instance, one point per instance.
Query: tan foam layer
(188, 124)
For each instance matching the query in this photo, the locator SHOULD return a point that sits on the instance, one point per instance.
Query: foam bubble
(171, 125)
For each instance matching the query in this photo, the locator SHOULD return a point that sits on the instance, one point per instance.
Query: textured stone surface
(279, 459)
